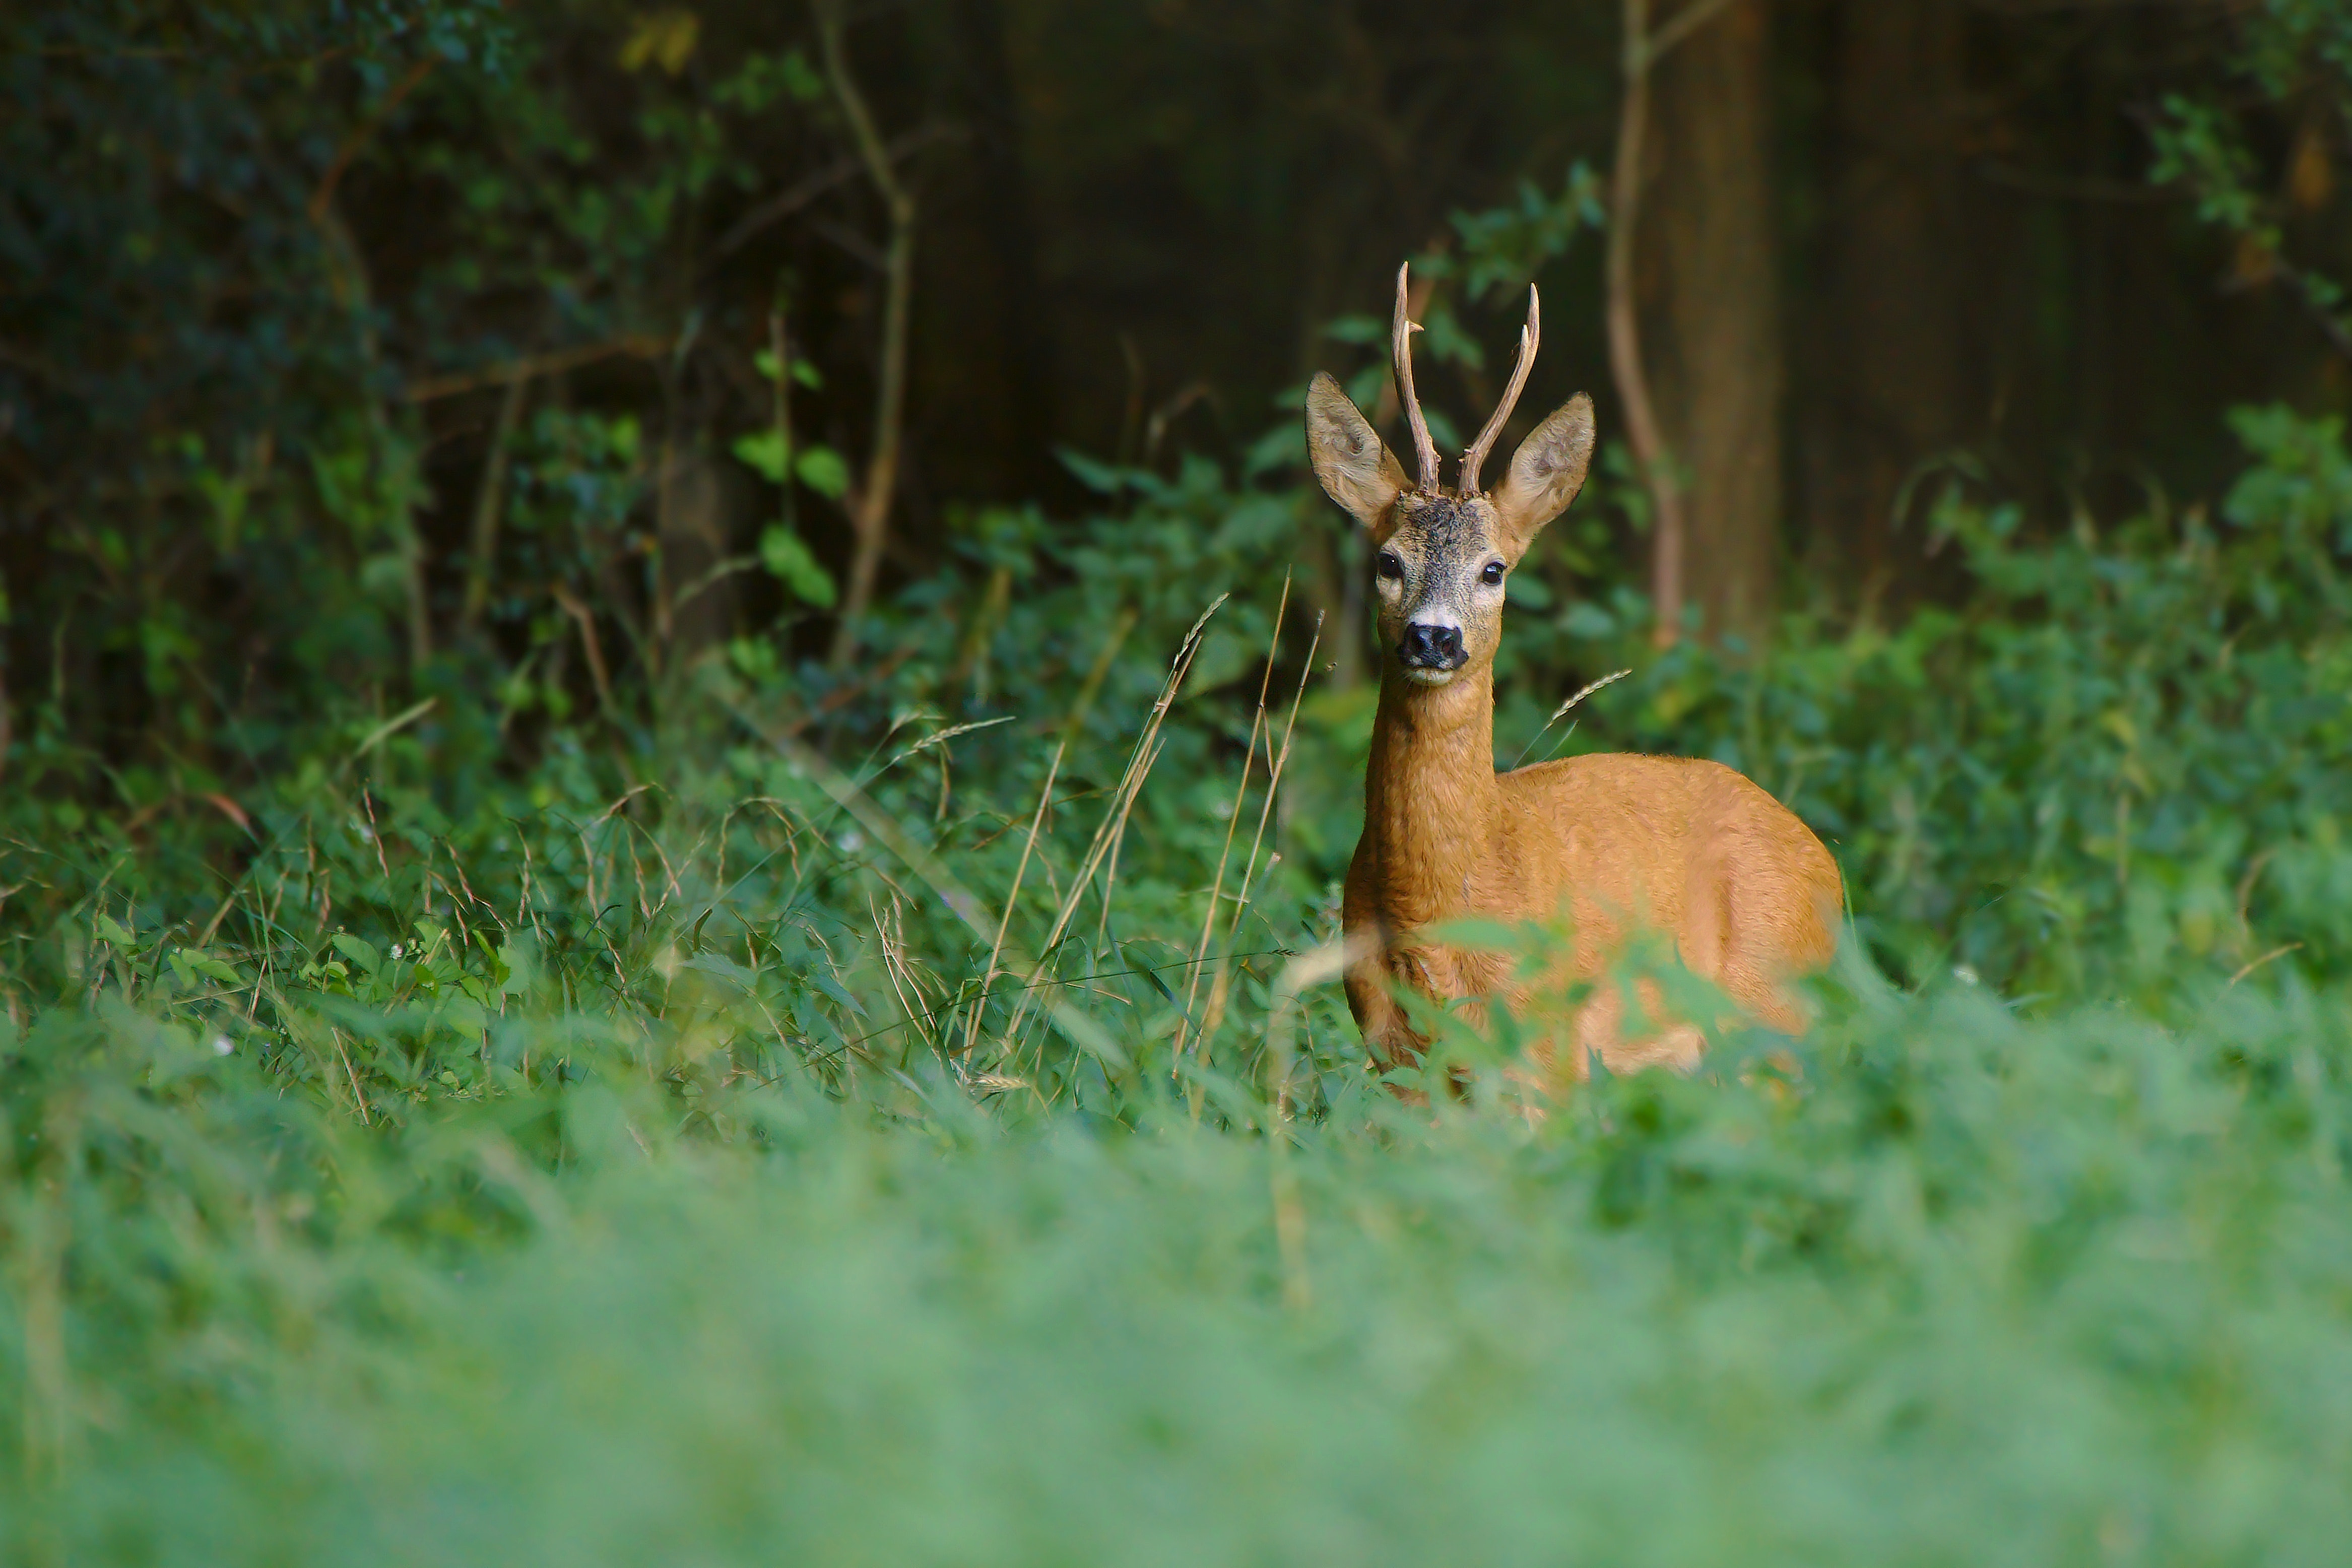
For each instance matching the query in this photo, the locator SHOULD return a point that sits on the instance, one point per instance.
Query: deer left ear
(1546, 471)
(1357, 471)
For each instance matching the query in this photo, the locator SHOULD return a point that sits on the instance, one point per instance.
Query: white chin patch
(1429, 677)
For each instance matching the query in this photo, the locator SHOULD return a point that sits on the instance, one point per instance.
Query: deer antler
(1476, 458)
(1401, 346)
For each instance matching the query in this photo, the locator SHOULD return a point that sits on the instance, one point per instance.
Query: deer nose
(1432, 647)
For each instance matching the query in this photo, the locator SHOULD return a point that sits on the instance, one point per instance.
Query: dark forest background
(302, 302)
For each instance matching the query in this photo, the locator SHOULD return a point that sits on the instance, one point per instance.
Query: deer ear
(1546, 472)
(1357, 471)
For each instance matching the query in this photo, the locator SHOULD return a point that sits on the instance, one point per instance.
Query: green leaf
(359, 952)
(518, 957)
(784, 553)
(835, 989)
(822, 469)
(764, 453)
(218, 970)
(803, 372)
(1279, 447)
(1357, 330)
(1101, 478)
(109, 932)
(801, 78)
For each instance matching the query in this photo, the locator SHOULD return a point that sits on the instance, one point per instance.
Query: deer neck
(1430, 802)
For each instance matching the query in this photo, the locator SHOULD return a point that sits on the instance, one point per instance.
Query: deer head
(1440, 556)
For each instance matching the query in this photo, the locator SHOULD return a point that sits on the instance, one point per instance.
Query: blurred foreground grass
(1944, 1285)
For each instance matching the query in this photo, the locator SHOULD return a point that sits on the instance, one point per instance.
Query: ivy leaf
(764, 453)
(784, 553)
(822, 469)
(804, 372)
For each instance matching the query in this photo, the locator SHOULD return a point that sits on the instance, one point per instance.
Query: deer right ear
(1357, 471)
(1546, 471)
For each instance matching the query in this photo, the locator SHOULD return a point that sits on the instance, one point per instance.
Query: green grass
(680, 1147)
(1958, 1287)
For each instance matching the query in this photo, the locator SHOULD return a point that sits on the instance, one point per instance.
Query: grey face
(1438, 575)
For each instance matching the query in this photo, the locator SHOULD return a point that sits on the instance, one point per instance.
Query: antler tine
(1529, 335)
(1401, 346)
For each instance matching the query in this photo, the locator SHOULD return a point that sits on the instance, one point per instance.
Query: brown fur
(1615, 844)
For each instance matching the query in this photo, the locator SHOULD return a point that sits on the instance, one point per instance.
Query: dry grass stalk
(1562, 710)
(1233, 824)
(1220, 992)
(996, 948)
(890, 935)
(1146, 751)
(1118, 839)
(1325, 964)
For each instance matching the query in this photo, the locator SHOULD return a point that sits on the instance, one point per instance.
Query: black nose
(1432, 647)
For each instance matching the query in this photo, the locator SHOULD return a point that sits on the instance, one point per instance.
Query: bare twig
(364, 131)
(871, 516)
(431, 388)
(2275, 953)
(795, 196)
(489, 501)
(589, 642)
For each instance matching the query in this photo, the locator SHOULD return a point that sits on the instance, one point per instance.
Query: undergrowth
(917, 1125)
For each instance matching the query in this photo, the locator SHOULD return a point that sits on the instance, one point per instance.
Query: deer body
(1617, 845)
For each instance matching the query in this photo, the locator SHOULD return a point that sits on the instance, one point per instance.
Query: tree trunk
(1894, 388)
(697, 609)
(1711, 307)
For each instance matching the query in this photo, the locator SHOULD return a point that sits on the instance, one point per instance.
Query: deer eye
(1491, 575)
(1390, 567)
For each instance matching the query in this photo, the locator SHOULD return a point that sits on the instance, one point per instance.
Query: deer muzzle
(1431, 653)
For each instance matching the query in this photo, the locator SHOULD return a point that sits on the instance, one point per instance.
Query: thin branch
(871, 513)
(1662, 42)
(432, 388)
(590, 644)
(365, 132)
(490, 502)
(794, 197)
(870, 145)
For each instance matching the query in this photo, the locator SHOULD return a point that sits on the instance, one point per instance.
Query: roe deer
(1617, 844)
